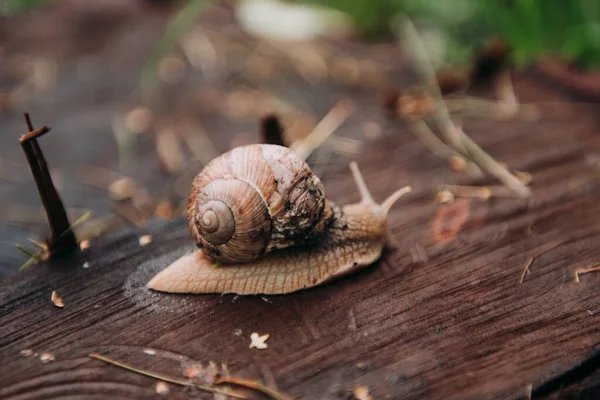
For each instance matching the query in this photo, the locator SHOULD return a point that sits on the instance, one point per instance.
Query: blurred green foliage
(9, 7)
(534, 28)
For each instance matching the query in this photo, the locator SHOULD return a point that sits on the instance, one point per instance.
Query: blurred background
(140, 94)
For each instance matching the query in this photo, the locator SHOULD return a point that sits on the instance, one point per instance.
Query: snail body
(329, 240)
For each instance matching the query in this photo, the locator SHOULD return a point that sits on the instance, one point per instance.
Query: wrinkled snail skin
(353, 239)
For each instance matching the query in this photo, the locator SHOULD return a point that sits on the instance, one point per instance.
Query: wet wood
(441, 316)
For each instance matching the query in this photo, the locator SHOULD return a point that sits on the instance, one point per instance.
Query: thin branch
(162, 377)
(250, 384)
(424, 67)
(590, 268)
(487, 162)
(62, 238)
(334, 118)
(531, 258)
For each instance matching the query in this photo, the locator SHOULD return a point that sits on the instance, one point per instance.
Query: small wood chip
(193, 371)
(145, 240)
(58, 301)
(258, 342)
(444, 197)
(458, 163)
(47, 358)
(361, 392)
(29, 352)
(122, 188)
(84, 245)
(162, 388)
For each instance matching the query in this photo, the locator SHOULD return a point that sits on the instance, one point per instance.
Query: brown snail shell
(353, 240)
(255, 199)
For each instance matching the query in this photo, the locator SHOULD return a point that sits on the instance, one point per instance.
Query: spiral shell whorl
(254, 199)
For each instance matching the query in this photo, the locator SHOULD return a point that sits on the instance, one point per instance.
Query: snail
(263, 225)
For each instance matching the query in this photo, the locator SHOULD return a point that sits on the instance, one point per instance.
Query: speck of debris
(86, 265)
(193, 371)
(150, 352)
(162, 388)
(361, 392)
(444, 197)
(363, 366)
(287, 205)
(26, 352)
(47, 358)
(257, 341)
(145, 240)
(237, 332)
(590, 313)
(84, 245)
(58, 301)
(355, 263)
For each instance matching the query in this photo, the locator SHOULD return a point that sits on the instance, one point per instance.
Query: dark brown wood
(441, 316)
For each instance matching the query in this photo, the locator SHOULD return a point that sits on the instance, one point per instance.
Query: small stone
(162, 388)
(257, 341)
(361, 392)
(47, 358)
(145, 240)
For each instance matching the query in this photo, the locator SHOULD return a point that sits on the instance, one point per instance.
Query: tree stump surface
(441, 315)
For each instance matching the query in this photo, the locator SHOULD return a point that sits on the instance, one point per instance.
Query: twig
(531, 258)
(424, 67)
(590, 268)
(431, 141)
(334, 118)
(479, 191)
(252, 385)
(162, 377)
(62, 238)
(487, 162)
(271, 130)
(454, 135)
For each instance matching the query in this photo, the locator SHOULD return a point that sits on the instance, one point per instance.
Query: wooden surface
(441, 316)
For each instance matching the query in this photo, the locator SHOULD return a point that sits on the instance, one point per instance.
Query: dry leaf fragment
(26, 352)
(361, 392)
(258, 342)
(58, 301)
(162, 388)
(145, 240)
(47, 358)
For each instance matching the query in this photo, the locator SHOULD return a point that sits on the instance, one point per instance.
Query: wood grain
(452, 323)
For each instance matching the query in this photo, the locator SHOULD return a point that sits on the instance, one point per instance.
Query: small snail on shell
(263, 225)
